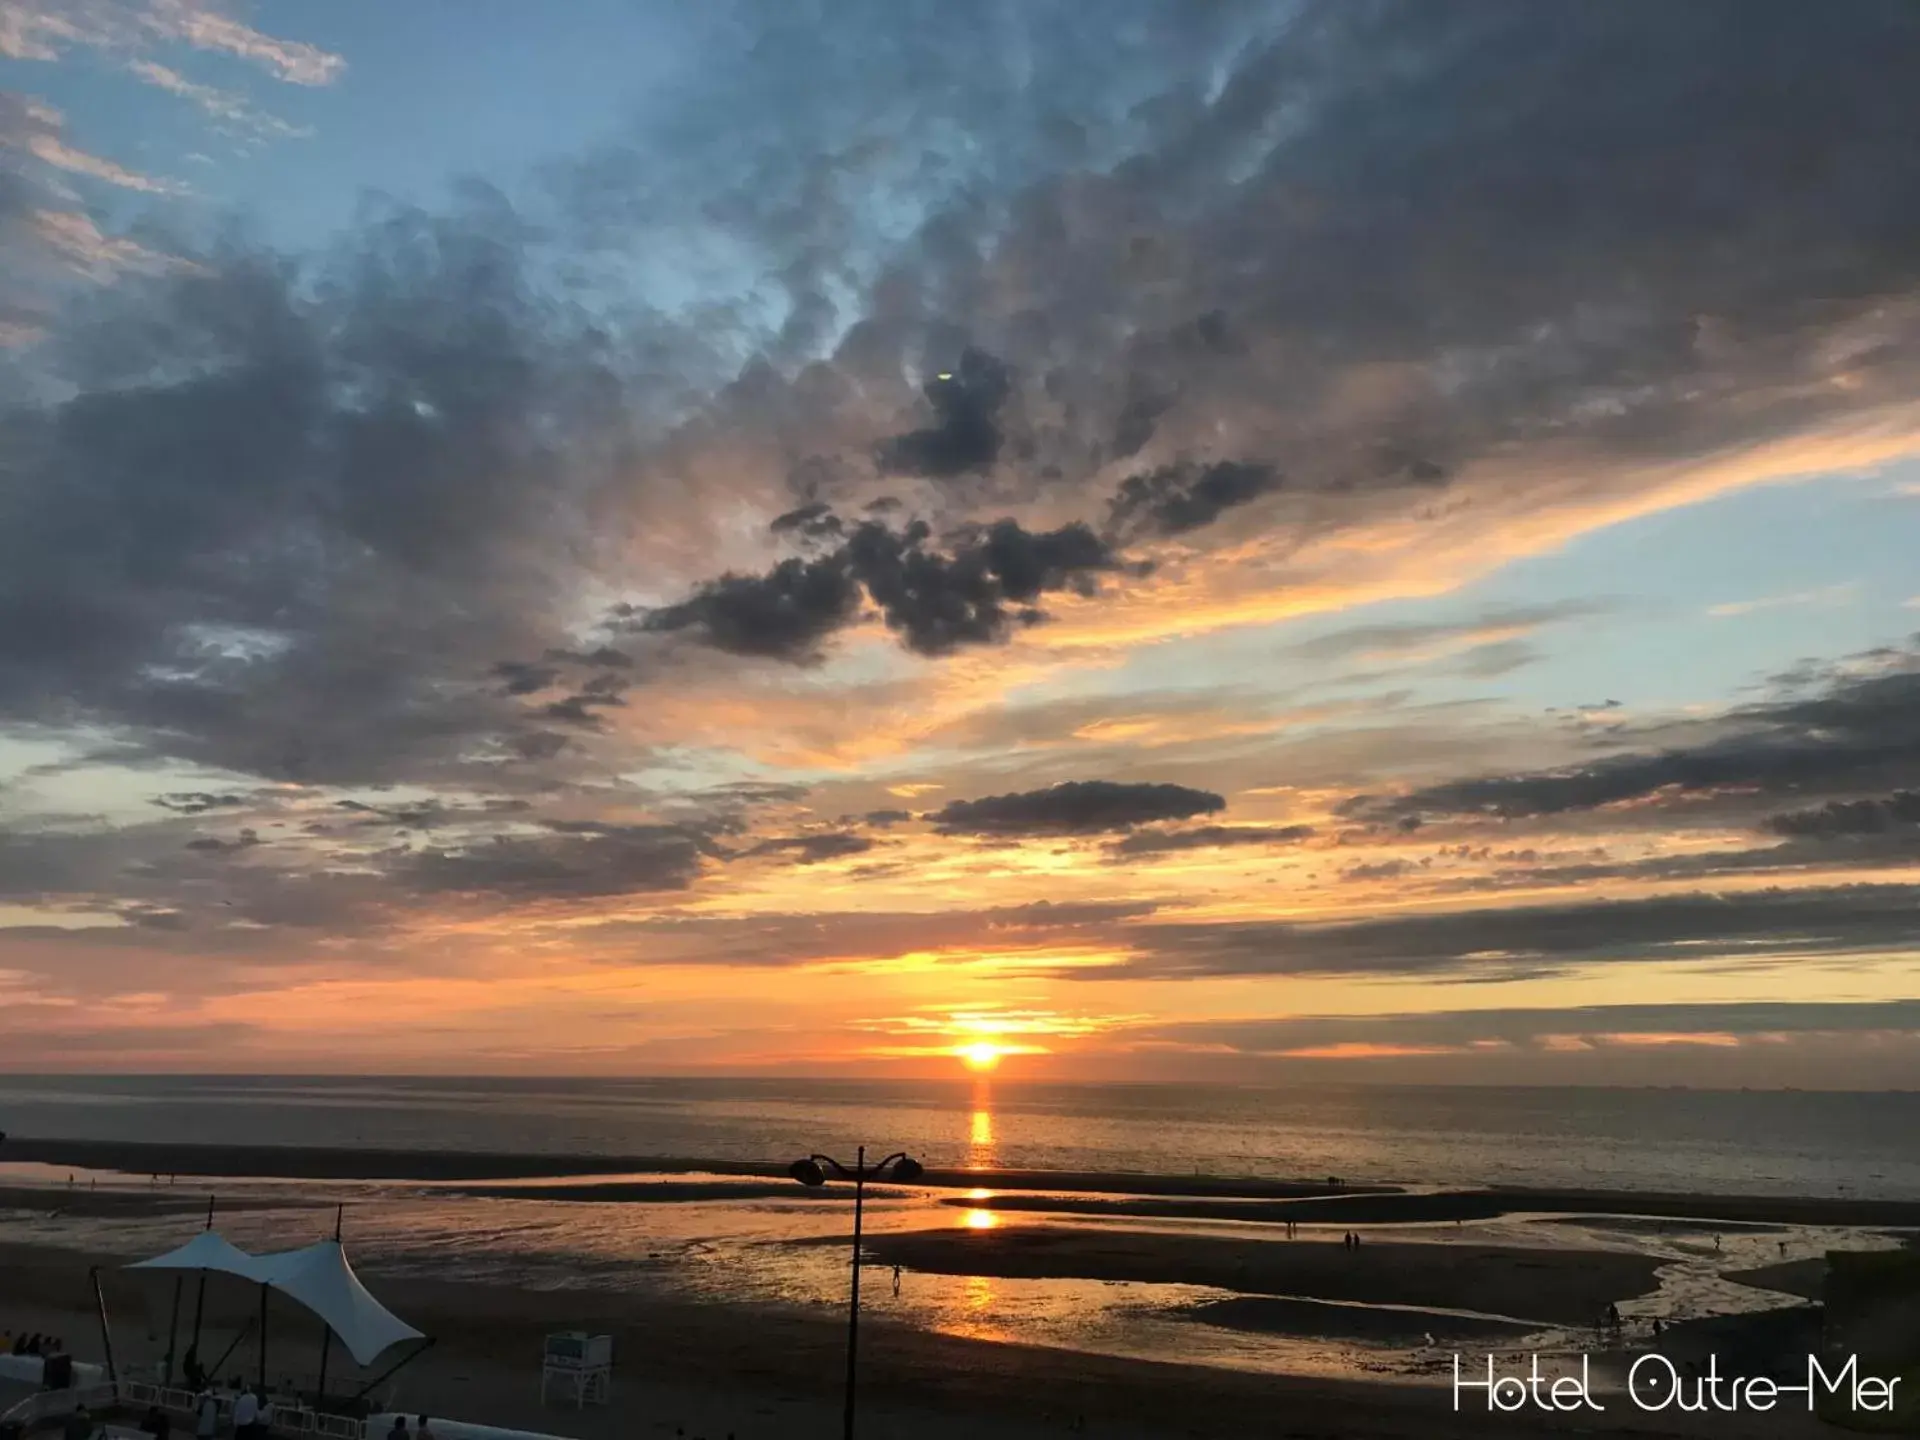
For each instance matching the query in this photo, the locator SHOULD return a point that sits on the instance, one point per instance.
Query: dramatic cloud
(597, 860)
(1851, 817)
(197, 802)
(1175, 499)
(972, 593)
(361, 593)
(1857, 734)
(1555, 1031)
(1207, 837)
(811, 849)
(965, 436)
(1458, 1028)
(1077, 807)
(1543, 940)
(784, 614)
(290, 518)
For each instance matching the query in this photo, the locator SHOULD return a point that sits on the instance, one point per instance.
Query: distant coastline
(1120, 1193)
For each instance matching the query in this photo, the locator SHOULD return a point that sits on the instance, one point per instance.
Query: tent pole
(326, 1330)
(106, 1334)
(326, 1344)
(173, 1327)
(200, 1304)
(263, 1342)
(426, 1343)
(234, 1344)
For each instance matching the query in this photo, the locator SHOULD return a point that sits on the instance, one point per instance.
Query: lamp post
(813, 1171)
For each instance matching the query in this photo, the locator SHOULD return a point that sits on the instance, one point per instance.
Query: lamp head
(807, 1172)
(907, 1169)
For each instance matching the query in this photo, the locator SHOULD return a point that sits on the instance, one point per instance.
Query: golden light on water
(979, 1219)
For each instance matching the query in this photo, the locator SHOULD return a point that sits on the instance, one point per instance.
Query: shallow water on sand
(753, 1252)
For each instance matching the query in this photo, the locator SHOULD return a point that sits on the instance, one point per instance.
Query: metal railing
(139, 1394)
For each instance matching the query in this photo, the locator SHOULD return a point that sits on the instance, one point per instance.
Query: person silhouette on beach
(399, 1430)
(896, 1280)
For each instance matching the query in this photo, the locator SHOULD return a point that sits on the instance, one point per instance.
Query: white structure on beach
(316, 1276)
(580, 1366)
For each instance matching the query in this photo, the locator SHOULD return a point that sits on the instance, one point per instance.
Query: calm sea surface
(1758, 1142)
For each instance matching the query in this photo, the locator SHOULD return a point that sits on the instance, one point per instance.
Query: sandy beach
(710, 1372)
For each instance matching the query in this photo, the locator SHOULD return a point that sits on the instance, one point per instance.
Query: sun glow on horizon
(981, 1055)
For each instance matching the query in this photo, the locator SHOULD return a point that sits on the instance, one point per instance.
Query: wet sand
(1555, 1287)
(1357, 1206)
(1267, 1315)
(1804, 1278)
(80, 1201)
(684, 1368)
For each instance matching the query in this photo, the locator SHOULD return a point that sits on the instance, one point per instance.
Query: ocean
(1769, 1142)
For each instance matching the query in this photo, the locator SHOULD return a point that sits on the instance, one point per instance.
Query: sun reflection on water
(979, 1219)
(980, 1142)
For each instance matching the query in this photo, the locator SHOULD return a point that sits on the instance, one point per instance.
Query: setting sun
(981, 1055)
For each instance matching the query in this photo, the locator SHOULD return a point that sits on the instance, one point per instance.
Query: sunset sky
(1220, 540)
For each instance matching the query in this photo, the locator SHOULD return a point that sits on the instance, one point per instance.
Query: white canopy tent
(319, 1278)
(316, 1277)
(209, 1250)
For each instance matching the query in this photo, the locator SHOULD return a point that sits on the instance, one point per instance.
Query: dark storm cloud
(1851, 817)
(1076, 807)
(965, 434)
(1178, 498)
(972, 592)
(1545, 940)
(1857, 733)
(1206, 837)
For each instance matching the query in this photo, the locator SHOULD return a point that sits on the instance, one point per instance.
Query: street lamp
(814, 1170)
